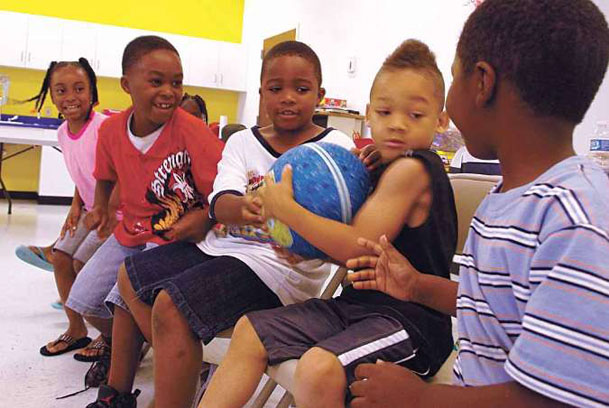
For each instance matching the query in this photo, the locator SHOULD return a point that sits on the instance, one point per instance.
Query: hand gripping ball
(329, 181)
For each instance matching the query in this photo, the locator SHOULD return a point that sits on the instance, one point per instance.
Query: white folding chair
(281, 374)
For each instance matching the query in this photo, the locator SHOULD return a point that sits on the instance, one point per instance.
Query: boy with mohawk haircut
(412, 203)
(533, 289)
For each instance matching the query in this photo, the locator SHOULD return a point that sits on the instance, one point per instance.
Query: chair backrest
(469, 190)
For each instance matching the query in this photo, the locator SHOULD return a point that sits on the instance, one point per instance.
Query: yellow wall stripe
(220, 20)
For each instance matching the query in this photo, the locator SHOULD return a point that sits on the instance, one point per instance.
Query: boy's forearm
(337, 240)
(506, 395)
(103, 190)
(200, 224)
(227, 209)
(436, 293)
(114, 201)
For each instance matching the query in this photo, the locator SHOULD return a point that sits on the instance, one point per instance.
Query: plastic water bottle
(599, 145)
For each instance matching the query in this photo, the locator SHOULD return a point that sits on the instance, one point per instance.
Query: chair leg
(285, 401)
(265, 394)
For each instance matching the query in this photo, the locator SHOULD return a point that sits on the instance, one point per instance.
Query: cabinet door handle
(29, 57)
(215, 78)
(221, 79)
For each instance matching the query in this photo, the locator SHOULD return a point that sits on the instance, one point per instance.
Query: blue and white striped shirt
(533, 301)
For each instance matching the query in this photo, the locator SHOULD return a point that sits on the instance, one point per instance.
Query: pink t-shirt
(79, 154)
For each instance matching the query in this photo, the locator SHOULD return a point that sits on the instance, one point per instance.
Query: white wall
(600, 107)
(368, 30)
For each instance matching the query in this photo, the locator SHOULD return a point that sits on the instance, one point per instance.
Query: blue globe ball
(329, 181)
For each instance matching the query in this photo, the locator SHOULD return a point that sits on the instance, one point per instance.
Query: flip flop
(100, 347)
(70, 341)
(36, 259)
(57, 305)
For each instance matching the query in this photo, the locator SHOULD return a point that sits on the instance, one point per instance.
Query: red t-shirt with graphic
(159, 186)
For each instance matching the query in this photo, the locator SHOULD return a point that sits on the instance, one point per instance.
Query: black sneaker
(108, 397)
(98, 373)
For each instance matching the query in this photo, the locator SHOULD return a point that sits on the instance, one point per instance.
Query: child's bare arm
(387, 270)
(71, 221)
(400, 189)
(191, 227)
(98, 216)
(233, 209)
(389, 385)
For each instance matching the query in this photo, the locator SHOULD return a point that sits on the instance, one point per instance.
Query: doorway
(269, 43)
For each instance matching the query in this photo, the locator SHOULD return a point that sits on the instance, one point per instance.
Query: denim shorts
(97, 279)
(211, 292)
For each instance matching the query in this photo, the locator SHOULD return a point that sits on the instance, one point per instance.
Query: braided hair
(46, 82)
(200, 103)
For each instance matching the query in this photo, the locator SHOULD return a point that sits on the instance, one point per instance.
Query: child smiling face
(71, 93)
(155, 85)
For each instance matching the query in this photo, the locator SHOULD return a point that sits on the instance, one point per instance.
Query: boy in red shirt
(165, 161)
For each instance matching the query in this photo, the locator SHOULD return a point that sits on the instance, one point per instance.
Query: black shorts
(211, 292)
(355, 333)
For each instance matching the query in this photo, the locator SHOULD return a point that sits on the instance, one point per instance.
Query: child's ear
(320, 95)
(486, 83)
(125, 84)
(443, 121)
(367, 119)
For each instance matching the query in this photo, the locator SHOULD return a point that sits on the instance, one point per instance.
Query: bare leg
(236, 379)
(103, 325)
(126, 344)
(64, 278)
(320, 380)
(77, 265)
(177, 355)
(140, 311)
(127, 337)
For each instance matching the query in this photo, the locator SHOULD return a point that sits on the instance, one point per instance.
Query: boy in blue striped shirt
(532, 304)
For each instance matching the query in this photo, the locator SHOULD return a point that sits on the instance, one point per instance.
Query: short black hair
(416, 55)
(199, 101)
(554, 52)
(54, 66)
(293, 48)
(141, 46)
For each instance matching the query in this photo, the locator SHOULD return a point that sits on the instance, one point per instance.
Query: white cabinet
(34, 41)
(13, 31)
(43, 42)
(217, 64)
(232, 67)
(202, 68)
(29, 41)
(111, 42)
(78, 39)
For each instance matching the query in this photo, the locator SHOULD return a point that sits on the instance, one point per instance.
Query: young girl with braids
(73, 89)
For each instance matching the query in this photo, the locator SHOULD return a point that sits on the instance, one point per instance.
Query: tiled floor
(27, 321)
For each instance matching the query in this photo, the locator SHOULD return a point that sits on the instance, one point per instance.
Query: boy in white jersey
(531, 304)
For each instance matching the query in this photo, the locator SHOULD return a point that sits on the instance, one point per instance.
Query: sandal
(70, 342)
(35, 258)
(100, 347)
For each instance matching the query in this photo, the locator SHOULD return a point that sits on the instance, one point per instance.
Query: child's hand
(286, 254)
(191, 227)
(276, 196)
(108, 229)
(71, 222)
(369, 155)
(251, 211)
(385, 385)
(387, 270)
(97, 218)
